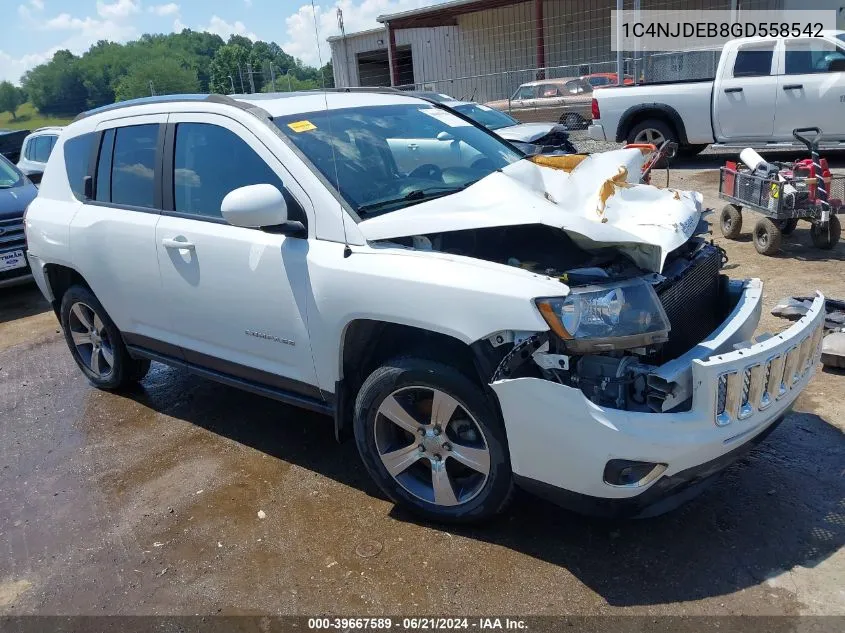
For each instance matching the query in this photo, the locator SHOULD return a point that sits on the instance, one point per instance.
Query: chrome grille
(12, 235)
(740, 394)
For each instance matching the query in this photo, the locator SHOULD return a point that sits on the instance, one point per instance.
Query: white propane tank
(750, 158)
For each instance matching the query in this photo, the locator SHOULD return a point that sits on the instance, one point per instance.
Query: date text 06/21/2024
(417, 623)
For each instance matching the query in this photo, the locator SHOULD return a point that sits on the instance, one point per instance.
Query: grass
(28, 118)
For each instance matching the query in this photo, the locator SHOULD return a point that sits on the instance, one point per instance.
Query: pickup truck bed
(763, 89)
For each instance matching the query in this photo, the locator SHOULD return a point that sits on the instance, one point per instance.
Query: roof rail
(47, 127)
(179, 98)
(387, 89)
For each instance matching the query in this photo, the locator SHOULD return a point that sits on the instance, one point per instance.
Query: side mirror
(255, 206)
(445, 136)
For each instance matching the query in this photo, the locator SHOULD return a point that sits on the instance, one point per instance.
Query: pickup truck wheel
(826, 236)
(653, 131)
(767, 237)
(95, 342)
(433, 443)
(730, 221)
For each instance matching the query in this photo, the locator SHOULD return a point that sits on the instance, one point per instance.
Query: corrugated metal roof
(440, 14)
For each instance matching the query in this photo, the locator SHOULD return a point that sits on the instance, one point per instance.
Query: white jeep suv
(475, 318)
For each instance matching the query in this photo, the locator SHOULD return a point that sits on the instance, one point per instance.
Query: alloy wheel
(431, 445)
(90, 339)
(650, 135)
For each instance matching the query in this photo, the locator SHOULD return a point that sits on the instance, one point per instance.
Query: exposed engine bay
(692, 292)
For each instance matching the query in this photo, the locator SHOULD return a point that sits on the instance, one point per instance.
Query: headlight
(601, 318)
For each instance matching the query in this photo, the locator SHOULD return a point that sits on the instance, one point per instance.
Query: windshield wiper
(416, 196)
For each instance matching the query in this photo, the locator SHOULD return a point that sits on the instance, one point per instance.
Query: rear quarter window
(77, 154)
(753, 62)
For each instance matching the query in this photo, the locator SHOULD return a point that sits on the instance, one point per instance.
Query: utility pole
(288, 74)
(620, 66)
(241, 75)
(273, 76)
(251, 80)
(232, 81)
(152, 89)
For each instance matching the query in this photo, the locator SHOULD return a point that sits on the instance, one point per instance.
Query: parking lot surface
(149, 502)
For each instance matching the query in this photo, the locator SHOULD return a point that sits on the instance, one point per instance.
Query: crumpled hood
(525, 132)
(594, 199)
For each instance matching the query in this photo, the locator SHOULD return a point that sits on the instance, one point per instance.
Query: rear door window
(754, 62)
(133, 160)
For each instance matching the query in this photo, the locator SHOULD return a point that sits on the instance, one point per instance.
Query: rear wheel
(95, 342)
(826, 236)
(432, 442)
(730, 221)
(767, 237)
(654, 131)
(573, 121)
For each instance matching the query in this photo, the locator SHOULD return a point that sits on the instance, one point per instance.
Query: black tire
(573, 121)
(123, 370)
(730, 221)
(787, 226)
(640, 134)
(826, 237)
(767, 237)
(408, 375)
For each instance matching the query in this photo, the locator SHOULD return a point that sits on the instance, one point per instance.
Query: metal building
(484, 49)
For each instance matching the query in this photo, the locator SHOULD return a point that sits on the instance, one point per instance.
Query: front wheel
(95, 342)
(767, 237)
(433, 443)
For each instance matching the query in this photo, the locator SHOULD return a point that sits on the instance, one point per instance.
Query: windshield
(488, 117)
(841, 37)
(9, 175)
(384, 158)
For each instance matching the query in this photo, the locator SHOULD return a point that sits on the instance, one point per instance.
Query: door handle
(413, 146)
(181, 245)
(729, 90)
(794, 87)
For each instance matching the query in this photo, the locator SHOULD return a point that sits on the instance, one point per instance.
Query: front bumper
(596, 132)
(559, 439)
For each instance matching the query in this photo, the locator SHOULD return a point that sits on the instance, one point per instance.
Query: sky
(41, 27)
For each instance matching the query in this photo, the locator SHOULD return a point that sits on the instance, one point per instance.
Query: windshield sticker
(302, 126)
(447, 118)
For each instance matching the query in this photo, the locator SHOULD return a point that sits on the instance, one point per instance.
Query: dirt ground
(148, 502)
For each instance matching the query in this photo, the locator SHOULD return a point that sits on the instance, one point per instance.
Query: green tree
(160, 75)
(10, 98)
(228, 69)
(57, 87)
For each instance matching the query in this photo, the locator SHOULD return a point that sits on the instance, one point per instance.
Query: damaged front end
(609, 337)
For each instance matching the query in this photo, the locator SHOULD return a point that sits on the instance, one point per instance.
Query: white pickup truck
(764, 88)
